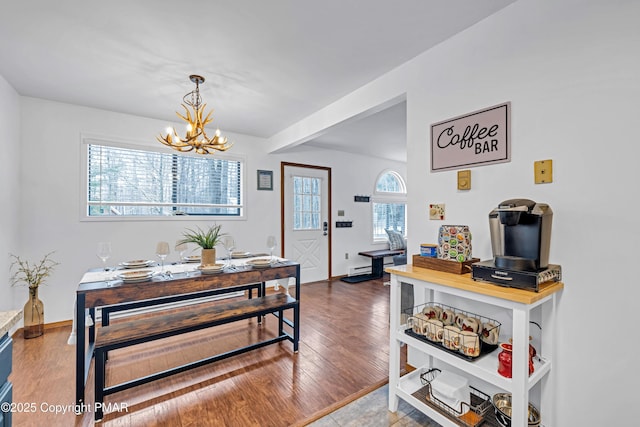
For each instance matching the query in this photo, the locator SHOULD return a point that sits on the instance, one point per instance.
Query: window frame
(382, 197)
(87, 140)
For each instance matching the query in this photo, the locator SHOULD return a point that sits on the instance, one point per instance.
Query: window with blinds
(124, 182)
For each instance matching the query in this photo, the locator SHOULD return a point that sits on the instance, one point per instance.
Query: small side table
(377, 265)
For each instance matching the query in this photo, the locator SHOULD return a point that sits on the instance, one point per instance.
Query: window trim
(390, 198)
(88, 139)
(402, 194)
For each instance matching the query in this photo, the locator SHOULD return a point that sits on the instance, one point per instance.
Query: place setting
(260, 262)
(135, 276)
(240, 254)
(211, 269)
(137, 263)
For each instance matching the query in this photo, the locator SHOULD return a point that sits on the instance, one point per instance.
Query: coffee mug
(432, 312)
(469, 344)
(418, 323)
(471, 324)
(435, 329)
(451, 337)
(490, 333)
(447, 317)
(412, 323)
(458, 319)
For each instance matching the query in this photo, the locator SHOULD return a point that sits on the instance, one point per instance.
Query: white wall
(570, 70)
(9, 193)
(50, 198)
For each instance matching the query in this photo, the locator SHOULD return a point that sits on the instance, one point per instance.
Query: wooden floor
(343, 354)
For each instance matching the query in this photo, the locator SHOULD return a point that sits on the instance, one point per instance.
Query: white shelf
(411, 383)
(485, 368)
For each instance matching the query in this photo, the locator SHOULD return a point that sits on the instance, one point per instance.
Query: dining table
(105, 292)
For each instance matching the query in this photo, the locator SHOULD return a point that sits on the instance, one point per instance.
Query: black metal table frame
(242, 280)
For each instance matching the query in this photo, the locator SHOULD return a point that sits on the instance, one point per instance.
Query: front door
(306, 234)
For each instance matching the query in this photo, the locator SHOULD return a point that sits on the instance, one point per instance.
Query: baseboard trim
(47, 326)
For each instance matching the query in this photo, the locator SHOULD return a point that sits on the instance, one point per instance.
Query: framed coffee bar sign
(474, 139)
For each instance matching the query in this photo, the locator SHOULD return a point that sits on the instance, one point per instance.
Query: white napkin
(97, 276)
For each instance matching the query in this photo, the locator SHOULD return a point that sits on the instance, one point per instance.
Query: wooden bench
(188, 319)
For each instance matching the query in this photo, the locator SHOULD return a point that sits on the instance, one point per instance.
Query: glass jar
(33, 315)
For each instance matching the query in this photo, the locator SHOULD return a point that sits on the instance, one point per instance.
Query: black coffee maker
(520, 240)
(521, 234)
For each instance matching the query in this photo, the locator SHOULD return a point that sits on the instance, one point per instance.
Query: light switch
(543, 171)
(464, 180)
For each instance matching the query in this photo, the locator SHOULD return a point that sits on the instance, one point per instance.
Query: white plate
(137, 263)
(211, 269)
(145, 279)
(259, 262)
(135, 276)
(240, 254)
(192, 258)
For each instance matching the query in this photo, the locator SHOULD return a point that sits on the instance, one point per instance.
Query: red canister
(505, 359)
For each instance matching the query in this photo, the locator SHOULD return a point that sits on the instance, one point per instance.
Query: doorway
(306, 219)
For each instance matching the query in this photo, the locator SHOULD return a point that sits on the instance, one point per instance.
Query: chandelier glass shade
(195, 138)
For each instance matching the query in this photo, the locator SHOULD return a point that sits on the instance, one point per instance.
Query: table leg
(377, 265)
(296, 313)
(80, 345)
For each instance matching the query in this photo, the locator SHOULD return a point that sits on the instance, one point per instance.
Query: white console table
(516, 304)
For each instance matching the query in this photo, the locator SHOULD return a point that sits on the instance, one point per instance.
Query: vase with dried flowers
(32, 275)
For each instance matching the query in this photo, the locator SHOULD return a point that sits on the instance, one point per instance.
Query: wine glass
(229, 244)
(181, 248)
(271, 244)
(104, 253)
(162, 250)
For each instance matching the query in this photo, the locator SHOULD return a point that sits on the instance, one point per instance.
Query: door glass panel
(306, 206)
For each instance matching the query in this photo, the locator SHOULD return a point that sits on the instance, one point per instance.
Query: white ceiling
(267, 64)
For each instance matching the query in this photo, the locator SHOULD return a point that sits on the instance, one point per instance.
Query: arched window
(389, 205)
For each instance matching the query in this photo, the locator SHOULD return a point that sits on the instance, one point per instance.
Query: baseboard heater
(365, 269)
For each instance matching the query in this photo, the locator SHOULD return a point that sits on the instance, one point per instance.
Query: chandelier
(196, 137)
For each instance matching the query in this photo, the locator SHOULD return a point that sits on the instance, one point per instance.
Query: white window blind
(131, 182)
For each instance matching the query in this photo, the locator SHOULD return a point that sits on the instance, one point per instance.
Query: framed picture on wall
(265, 180)
(478, 138)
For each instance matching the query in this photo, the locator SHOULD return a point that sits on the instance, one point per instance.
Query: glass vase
(33, 315)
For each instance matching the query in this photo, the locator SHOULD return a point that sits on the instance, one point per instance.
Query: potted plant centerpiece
(32, 275)
(207, 240)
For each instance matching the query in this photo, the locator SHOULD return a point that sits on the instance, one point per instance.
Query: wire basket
(429, 323)
(467, 414)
